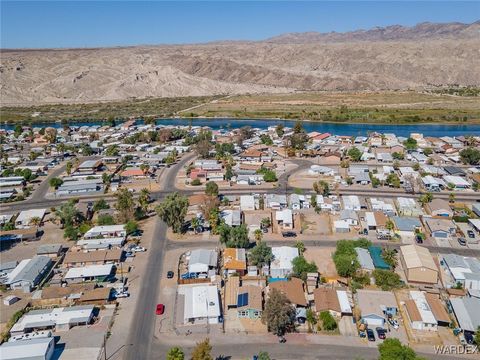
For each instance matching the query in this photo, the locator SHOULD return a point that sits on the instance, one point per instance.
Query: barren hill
(382, 58)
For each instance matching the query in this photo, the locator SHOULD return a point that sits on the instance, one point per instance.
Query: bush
(328, 322)
(387, 279)
(196, 182)
(105, 220)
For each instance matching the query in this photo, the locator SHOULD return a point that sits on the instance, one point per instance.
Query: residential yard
(322, 256)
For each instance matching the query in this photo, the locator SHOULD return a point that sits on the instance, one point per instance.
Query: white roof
(55, 316)
(247, 202)
(284, 215)
(201, 302)
(341, 224)
(26, 215)
(423, 307)
(344, 302)
(283, 257)
(456, 180)
(370, 217)
(351, 202)
(26, 349)
(105, 228)
(475, 223)
(89, 271)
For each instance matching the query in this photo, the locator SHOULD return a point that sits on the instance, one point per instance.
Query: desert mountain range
(393, 57)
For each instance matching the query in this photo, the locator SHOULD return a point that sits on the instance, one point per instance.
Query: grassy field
(361, 107)
(155, 107)
(371, 107)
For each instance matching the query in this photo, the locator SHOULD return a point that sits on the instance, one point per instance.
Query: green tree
(100, 205)
(211, 188)
(386, 279)
(71, 233)
(451, 197)
(258, 235)
(398, 156)
(203, 148)
(144, 199)
(125, 205)
(313, 200)
(175, 353)
(234, 237)
(112, 150)
(410, 144)
(301, 267)
(202, 351)
(321, 187)
(263, 355)
(390, 257)
(229, 172)
(301, 247)
(393, 180)
(173, 210)
(260, 255)
(354, 154)
(427, 151)
(470, 156)
(328, 321)
(105, 220)
(68, 167)
(18, 130)
(68, 214)
(425, 198)
(131, 226)
(269, 176)
(280, 130)
(55, 182)
(265, 223)
(392, 349)
(279, 314)
(265, 139)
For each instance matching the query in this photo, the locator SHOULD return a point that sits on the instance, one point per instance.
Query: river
(356, 129)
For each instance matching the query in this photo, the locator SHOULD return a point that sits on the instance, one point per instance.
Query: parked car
(122, 294)
(138, 249)
(289, 234)
(170, 275)
(471, 234)
(381, 333)
(462, 241)
(469, 337)
(160, 309)
(394, 323)
(129, 254)
(370, 335)
(189, 276)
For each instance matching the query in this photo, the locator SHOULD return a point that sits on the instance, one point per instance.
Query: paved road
(143, 323)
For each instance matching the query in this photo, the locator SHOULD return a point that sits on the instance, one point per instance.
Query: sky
(60, 24)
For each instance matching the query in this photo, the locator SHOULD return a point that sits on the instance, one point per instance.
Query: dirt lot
(314, 223)
(322, 256)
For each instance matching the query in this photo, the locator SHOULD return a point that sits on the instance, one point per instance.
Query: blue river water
(354, 129)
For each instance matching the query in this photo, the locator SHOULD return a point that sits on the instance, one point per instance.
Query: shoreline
(186, 118)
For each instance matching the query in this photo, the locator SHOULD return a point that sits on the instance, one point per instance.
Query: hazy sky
(40, 24)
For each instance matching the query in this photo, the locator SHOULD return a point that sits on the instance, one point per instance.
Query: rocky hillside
(387, 58)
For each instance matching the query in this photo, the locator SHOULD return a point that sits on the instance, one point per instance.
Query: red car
(160, 309)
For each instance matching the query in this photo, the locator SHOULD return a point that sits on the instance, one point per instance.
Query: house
(232, 217)
(235, 261)
(133, 173)
(418, 264)
(341, 226)
(349, 216)
(430, 183)
(364, 258)
(41, 348)
(99, 257)
(408, 207)
(26, 218)
(201, 304)
(419, 312)
(406, 226)
(97, 273)
(294, 290)
(351, 202)
(376, 306)
(440, 228)
(250, 302)
(57, 319)
(457, 182)
(232, 286)
(90, 166)
(247, 202)
(80, 187)
(106, 231)
(439, 207)
(276, 201)
(281, 266)
(202, 261)
(51, 250)
(29, 273)
(466, 312)
(326, 299)
(463, 270)
(284, 218)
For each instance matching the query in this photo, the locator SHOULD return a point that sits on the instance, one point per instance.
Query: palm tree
(35, 221)
(258, 235)
(451, 197)
(144, 199)
(195, 222)
(301, 247)
(390, 257)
